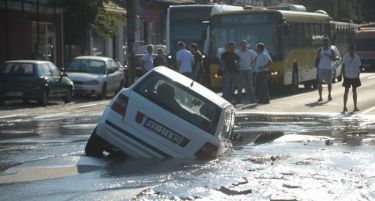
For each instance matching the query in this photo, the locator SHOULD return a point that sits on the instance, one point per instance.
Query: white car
(95, 75)
(164, 115)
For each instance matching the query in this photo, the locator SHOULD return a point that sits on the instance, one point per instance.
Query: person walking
(325, 58)
(160, 59)
(230, 64)
(198, 69)
(351, 70)
(261, 63)
(184, 60)
(246, 75)
(148, 59)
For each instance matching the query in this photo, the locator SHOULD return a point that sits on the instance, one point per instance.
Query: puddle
(274, 157)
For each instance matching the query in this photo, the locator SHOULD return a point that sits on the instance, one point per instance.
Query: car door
(58, 87)
(49, 79)
(111, 76)
(118, 75)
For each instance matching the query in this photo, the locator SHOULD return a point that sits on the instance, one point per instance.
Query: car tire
(334, 76)
(95, 145)
(339, 78)
(68, 97)
(44, 98)
(103, 93)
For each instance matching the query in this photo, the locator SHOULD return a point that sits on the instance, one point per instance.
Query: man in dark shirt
(230, 63)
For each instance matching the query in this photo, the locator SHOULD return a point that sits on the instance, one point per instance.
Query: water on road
(274, 157)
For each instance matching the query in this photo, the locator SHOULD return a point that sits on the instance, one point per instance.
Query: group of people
(246, 69)
(351, 64)
(239, 67)
(188, 63)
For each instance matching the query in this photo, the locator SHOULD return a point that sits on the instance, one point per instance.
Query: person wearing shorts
(325, 57)
(351, 70)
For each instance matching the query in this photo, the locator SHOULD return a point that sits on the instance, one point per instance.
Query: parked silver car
(95, 75)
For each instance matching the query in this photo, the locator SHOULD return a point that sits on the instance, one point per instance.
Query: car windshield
(181, 101)
(87, 66)
(17, 69)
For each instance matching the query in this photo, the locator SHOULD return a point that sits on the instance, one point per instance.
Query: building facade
(25, 24)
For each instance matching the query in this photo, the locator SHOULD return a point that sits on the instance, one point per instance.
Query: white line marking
(88, 105)
(371, 77)
(368, 110)
(8, 116)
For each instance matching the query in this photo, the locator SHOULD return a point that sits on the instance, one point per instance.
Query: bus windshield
(265, 33)
(254, 28)
(187, 24)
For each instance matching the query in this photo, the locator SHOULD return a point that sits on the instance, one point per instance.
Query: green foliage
(82, 15)
(106, 24)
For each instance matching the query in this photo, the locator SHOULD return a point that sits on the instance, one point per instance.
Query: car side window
(54, 70)
(110, 68)
(46, 70)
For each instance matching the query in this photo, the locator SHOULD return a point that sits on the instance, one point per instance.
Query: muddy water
(287, 157)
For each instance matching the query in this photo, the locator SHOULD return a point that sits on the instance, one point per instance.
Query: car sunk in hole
(164, 115)
(34, 80)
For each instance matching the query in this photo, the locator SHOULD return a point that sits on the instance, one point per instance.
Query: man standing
(246, 74)
(261, 63)
(325, 57)
(184, 60)
(230, 63)
(198, 63)
(148, 59)
(351, 71)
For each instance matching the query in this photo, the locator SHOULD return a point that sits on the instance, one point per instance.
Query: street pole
(130, 29)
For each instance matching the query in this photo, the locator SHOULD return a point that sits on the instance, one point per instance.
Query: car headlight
(91, 82)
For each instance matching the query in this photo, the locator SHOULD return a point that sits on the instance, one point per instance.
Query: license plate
(163, 131)
(14, 93)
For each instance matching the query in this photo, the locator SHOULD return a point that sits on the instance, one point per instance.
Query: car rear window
(87, 66)
(17, 69)
(181, 101)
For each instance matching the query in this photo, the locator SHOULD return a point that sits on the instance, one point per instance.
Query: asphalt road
(305, 101)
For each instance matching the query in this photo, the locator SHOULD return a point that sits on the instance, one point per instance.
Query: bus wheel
(295, 82)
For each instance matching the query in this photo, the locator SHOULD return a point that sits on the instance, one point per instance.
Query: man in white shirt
(246, 75)
(261, 63)
(351, 70)
(326, 56)
(184, 60)
(148, 59)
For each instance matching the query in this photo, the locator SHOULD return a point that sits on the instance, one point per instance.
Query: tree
(83, 15)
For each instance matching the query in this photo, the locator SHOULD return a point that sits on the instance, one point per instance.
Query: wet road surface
(274, 157)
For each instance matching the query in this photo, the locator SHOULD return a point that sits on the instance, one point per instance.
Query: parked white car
(95, 75)
(164, 115)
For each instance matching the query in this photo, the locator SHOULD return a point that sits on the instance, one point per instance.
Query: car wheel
(103, 93)
(339, 78)
(44, 98)
(95, 145)
(68, 96)
(334, 76)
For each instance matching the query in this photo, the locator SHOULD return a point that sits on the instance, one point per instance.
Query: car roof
(94, 58)
(195, 86)
(28, 61)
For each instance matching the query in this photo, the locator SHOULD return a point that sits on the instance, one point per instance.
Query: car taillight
(207, 151)
(119, 104)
